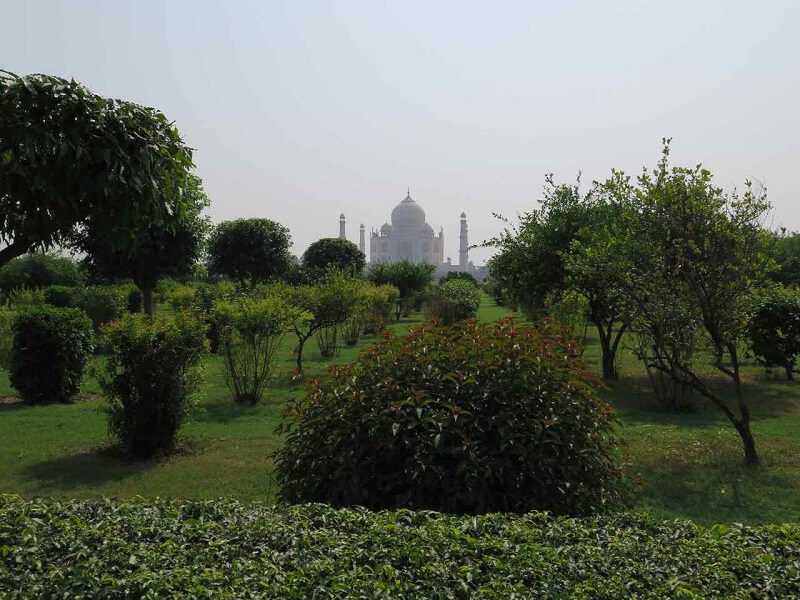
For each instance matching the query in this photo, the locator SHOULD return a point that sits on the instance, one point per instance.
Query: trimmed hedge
(49, 354)
(224, 549)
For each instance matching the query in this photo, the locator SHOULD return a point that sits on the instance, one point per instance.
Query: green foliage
(103, 303)
(50, 350)
(409, 278)
(62, 296)
(786, 252)
(134, 299)
(333, 253)
(570, 310)
(380, 301)
(774, 328)
(249, 249)
(150, 379)
(6, 337)
(328, 304)
(474, 418)
(459, 275)
(35, 271)
(250, 331)
(171, 248)
(67, 155)
(20, 298)
(454, 300)
(223, 548)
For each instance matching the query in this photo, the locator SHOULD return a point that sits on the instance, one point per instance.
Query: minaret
(463, 244)
(362, 244)
(341, 227)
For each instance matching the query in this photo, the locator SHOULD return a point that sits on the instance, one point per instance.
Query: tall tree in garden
(67, 154)
(408, 277)
(249, 250)
(786, 251)
(335, 253)
(695, 256)
(538, 260)
(170, 249)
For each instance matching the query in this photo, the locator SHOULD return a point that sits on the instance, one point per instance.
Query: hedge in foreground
(156, 549)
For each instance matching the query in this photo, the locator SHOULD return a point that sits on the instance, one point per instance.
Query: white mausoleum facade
(410, 237)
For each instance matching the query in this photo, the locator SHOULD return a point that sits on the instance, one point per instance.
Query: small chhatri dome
(408, 214)
(341, 216)
(463, 215)
(386, 228)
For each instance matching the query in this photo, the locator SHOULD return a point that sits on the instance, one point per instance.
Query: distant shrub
(150, 379)
(22, 297)
(473, 418)
(328, 340)
(61, 296)
(51, 347)
(183, 297)
(134, 299)
(380, 302)
(251, 330)
(6, 337)
(454, 300)
(35, 271)
(774, 329)
(463, 275)
(103, 303)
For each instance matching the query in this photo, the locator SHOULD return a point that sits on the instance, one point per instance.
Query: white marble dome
(408, 214)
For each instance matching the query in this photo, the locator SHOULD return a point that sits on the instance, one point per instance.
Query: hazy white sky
(301, 110)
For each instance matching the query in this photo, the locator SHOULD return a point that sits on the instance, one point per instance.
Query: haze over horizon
(302, 111)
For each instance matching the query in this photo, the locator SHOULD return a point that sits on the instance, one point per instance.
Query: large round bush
(474, 418)
(49, 353)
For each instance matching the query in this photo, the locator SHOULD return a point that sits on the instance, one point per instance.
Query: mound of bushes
(454, 300)
(223, 549)
(473, 418)
(35, 271)
(50, 350)
(150, 379)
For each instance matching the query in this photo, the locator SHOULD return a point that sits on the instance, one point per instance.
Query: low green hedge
(223, 549)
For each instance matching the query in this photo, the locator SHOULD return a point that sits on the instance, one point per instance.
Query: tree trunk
(789, 375)
(750, 454)
(12, 251)
(147, 301)
(299, 362)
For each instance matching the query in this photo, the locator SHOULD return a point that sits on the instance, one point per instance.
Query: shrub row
(224, 549)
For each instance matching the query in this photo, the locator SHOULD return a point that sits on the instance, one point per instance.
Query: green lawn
(690, 465)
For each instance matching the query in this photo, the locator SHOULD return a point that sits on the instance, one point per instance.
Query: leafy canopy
(249, 249)
(67, 154)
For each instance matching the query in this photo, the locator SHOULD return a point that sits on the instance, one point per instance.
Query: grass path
(690, 464)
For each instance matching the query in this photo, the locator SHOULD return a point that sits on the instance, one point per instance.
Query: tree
(249, 249)
(409, 278)
(329, 303)
(169, 249)
(35, 271)
(67, 154)
(549, 254)
(696, 254)
(334, 253)
(786, 251)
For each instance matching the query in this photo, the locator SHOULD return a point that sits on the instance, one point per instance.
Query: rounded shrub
(6, 337)
(62, 296)
(774, 329)
(150, 379)
(49, 353)
(473, 418)
(103, 303)
(134, 299)
(455, 300)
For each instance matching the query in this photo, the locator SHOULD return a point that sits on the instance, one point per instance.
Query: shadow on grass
(633, 397)
(725, 492)
(94, 467)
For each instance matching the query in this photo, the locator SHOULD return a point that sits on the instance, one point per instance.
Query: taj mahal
(410, 237)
